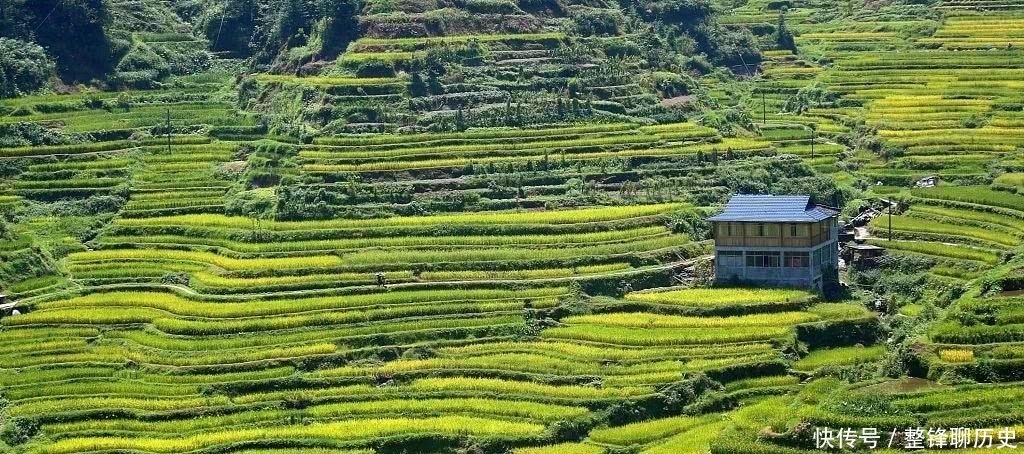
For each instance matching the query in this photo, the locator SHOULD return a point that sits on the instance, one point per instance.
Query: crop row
(597, 214)
(351, 430)
(727, 145)
(588, 353)
(941, 250)
(518, 362)
(93, 147)
(237, 326)
(433, 327)
(647, 431)
(455, 386)
(711, 297)
(643, 136)
(646, 320)
(116, 354)
(172, 304)
(169, 255)
(664, 336)
(968, 215)
(546, 413)
(929, 226)
(549, 273)
(347, 244)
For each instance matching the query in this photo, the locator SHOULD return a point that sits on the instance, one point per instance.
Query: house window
(797, 260)
(760, 230)
(728, 226)
(730, 258)
(792, 230)
(763, 259)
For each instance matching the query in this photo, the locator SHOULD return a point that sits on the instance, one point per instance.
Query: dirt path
(861, 233)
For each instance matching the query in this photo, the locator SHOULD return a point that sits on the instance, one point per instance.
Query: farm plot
(187, 329)
(486, 247)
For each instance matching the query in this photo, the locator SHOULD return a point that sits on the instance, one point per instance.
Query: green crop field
(480, 227)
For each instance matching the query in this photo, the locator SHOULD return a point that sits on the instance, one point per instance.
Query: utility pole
(168, 130)
(890, 219)
(764, 108)
(812, 142)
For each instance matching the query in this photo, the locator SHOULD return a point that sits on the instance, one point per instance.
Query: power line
(55, 6)
(223, 13)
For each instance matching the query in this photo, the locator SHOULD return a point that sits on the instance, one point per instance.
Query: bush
(840, 333)
(142, 58)
(621, 48)
(671, 84)
(375, 68)
(596, 22)
(19, 430)
(492, 7)
(24, 67)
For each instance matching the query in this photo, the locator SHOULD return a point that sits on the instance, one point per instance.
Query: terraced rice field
(228, 299)
(189, 322)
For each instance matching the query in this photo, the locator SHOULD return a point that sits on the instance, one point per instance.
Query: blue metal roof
(773, 208)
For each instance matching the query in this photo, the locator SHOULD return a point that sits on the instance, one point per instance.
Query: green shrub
(375, 68)
(19, 430)
(24, 67)
(492, 7)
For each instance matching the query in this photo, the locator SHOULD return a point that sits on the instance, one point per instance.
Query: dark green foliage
(670, 85)
(21, 264)
(808, 97)
(265, 29)
(775, 176)
(24, 67)
(741, 371)
(839, 333)
(340, 17)
(784, 37)
(24, 134)
(571, 430)
(53, 23)
(492, 7)
(375, 68)
(596, 22)
(229, 25)
(620, 48)
(417, 87)
(695, 20)
(17, 431)
(141, 68)
(692, 223)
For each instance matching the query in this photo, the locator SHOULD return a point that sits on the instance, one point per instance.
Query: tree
(784, 37)
(460, 121)
(5, 232)
(340, 24)
(434, 86)
(417, 87)
(17, 431)
(90, 53)
(24, 67)
(230, 25)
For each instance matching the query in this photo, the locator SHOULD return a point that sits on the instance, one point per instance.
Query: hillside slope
(213, 286)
